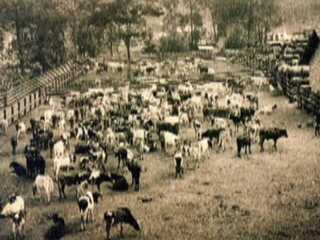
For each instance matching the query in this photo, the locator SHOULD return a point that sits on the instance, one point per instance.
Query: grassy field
(274, 195)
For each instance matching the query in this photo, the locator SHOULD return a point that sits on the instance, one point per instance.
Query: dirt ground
(270, 195)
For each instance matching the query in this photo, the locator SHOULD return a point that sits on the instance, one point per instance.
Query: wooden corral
(18, 102)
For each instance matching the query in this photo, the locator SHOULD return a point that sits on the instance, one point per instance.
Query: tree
(129, 18)
(254, 18)
(16, 16)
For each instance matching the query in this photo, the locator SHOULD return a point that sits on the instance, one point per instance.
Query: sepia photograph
(159, 119)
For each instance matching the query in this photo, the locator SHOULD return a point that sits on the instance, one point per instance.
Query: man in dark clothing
(14, 144)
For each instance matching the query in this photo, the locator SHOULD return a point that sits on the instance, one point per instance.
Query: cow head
(285, 133)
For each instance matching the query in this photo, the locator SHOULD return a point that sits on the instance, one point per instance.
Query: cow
(168, 127)
(59, 149)
(135, 169)
(18, 223)
(86, 207)
(18, 169)
(168, 139)
(98, 177)
(178, 164)
(119, 182)
(271, 134)
(69, 180)
(4, 124)
(119, 216)
(58, 229)
(44, 186)
(243, 141)
(21, 129)
(213, 134)
(35, 163)
(123, 154)
(59, 162)
(138, 135)
(14, 206)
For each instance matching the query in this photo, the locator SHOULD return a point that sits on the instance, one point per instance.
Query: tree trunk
(111, 48)
(127, 43)
(19, 45)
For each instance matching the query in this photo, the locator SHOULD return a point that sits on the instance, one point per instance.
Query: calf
(58, 230)
(44, 186)
(271, 134)
(178, 164)
(120, 216)
(86, 206)
(119, 182)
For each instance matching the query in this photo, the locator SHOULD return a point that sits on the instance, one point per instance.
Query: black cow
(168, 127)
(82, 149)
(18, 169)
(243, 141)
(216, 112)
(135, 169)
(122, 155)
(212, 134)
(120, 216)
(98, 180)
(272, 134)
(246, 114)
(119, 182)
(34, 161)
(69, 180)
(57, 230)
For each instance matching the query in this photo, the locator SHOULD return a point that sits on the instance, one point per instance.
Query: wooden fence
(27, 96)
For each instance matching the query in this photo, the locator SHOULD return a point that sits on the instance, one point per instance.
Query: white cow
(59, 162)
(169, 140)
(16, 205)
(138, 136)
(4, 124)
(44, 186)
(58, 149)
(22, 129)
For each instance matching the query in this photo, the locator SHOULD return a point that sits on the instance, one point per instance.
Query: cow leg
(249, 148)
(239, 150)
(121, 230)
(261, 145)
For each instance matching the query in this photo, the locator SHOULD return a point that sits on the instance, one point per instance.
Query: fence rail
(21, 100)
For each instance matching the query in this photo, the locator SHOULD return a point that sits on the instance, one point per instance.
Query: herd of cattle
(83, 132)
